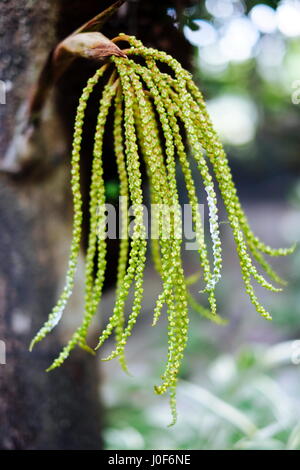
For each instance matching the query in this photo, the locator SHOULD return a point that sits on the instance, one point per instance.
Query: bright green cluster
(152, 110)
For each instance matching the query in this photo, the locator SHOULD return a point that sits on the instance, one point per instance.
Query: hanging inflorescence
(152, 109)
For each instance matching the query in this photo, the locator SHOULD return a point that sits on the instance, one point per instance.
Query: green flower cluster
(156, 115)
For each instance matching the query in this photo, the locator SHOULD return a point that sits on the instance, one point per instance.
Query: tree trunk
(59, 410)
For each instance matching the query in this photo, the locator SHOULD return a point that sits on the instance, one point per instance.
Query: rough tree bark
(59, 410)
(37, 410)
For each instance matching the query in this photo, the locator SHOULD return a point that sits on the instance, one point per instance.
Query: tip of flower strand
(52, 367)
(270, 287)
(33, 343)
(267, 316)
(31, 346)
(290, 250)
(125, 368)
(87, 348)
(122, 361)
(113, 355)
(100, 343)
(173, 422)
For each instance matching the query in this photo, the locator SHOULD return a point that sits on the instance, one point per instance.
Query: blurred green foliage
(245, 400)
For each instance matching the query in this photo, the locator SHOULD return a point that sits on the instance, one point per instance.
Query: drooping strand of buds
(151, 110)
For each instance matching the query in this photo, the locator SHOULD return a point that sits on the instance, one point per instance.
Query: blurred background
(240, 383)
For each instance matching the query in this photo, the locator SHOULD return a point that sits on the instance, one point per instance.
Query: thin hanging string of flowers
(150, 109)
